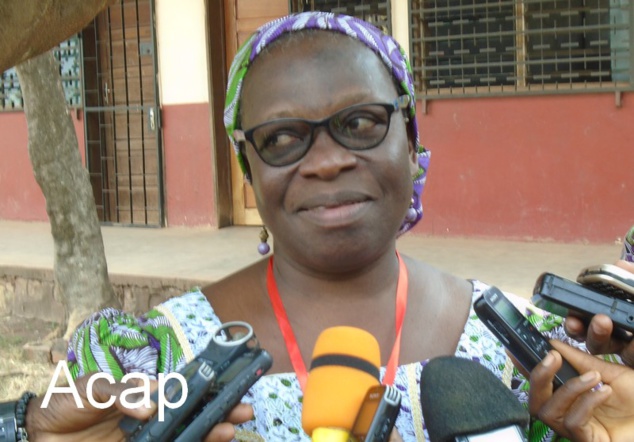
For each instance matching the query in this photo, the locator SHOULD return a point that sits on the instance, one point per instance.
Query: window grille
(376, 12)
(68, 53)
(485, 47)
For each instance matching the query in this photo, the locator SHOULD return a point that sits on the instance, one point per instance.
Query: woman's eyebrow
(343, 101)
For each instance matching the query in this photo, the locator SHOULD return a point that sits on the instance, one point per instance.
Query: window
(69, 55)
(376, 12)
(482, 47)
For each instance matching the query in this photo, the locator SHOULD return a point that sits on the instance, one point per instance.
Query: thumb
(131, 397)
(585, 362)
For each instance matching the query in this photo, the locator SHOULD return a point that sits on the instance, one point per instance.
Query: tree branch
(29, 28)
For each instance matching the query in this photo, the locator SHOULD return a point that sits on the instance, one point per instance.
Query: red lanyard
(291, 341)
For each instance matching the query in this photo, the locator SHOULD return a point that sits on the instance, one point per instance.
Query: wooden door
(242, 18)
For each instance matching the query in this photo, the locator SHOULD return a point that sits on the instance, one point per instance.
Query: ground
(20, 369)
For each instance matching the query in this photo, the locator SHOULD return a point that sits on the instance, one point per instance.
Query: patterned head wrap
(383, 45)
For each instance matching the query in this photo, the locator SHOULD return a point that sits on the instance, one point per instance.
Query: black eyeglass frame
(240, 136)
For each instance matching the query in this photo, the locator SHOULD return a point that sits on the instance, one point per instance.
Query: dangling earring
(263, 247)
(411, 214)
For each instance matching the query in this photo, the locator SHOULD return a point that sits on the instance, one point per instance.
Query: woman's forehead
(315, 67)
(328, 49)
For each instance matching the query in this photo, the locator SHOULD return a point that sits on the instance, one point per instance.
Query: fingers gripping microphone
(344, 366)
(462, 401)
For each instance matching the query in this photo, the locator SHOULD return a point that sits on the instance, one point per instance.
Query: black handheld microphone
(462, 401)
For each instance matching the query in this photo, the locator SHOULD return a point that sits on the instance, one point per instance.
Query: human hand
(395, 436)
(598, 335)
(574, 410)
(62, 420)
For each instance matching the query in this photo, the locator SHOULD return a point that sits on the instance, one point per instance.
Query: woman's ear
(413, 157)
(247, 166)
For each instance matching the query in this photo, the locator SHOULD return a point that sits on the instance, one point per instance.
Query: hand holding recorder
(598, 335)
(599, 307)
(62, 421)
(578, 411)
(216, 381)
(522, 340)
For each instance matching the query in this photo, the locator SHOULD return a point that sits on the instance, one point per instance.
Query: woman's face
(333, 207)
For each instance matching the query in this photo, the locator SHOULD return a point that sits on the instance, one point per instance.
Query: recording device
(209, 379)
(345, 365)
(564, 297)
(517, 334)
(609, 280)
(462, 401)
(377, 415)
(231, 386)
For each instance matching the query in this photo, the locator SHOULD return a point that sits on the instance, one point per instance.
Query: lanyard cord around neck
(291, 341)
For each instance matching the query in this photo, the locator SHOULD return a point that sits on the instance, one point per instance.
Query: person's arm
(118, 343)
(577, 410)
(63, 421)
(598, 334)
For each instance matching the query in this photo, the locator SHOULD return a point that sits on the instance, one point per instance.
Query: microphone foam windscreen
(462, 397)
(344, 366)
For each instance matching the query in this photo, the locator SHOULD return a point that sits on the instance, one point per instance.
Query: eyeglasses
(286, 140)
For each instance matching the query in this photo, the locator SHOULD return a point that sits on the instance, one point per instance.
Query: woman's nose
(326, 158)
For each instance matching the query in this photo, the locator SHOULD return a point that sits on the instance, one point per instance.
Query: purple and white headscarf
(383, 45)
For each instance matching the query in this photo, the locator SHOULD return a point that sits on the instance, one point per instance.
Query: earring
(411, 214)
(263, 247)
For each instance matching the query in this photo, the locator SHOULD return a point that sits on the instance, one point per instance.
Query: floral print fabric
(169, 336)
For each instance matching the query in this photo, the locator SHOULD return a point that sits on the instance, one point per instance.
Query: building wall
(20, 196)
(528, 168)
(542, 167)
(187, 148)
(186, 119)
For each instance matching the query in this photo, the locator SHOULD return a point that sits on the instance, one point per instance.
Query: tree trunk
(81, 272)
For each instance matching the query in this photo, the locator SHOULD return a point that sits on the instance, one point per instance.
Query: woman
(321, 111)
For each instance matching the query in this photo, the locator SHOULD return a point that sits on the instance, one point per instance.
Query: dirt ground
(19, 369)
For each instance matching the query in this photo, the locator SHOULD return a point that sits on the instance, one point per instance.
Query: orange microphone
(344, 366)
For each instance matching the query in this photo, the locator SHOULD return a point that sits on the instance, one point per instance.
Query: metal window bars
(68, 53)
(510, 47)
(377, 12)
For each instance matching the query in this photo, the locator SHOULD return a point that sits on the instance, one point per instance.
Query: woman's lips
(335, 214)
